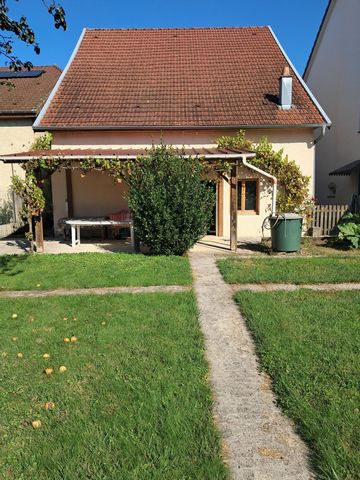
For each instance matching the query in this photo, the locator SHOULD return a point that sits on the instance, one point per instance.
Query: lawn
(298, 270)
(84, 270)
(309, 344)
(133, 403)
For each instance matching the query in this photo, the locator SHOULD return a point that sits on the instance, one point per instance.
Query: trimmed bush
(170, 203)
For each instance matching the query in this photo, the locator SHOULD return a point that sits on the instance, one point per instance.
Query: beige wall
(249, 225)
(97, 195)
(334, 78)
(16, 135)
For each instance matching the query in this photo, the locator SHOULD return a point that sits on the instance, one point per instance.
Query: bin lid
(287, 216)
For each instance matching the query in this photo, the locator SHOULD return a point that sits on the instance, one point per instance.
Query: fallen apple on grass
(49, 405)
(36, 423)
(48, 371)
(20, 355)
(62, 369)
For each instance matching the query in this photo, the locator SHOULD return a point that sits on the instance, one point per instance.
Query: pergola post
(39, 233)
(69, 192)
(233, 207)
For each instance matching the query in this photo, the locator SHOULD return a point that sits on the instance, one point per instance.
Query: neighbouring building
(22, 95)
(125, 90)
(333, 74)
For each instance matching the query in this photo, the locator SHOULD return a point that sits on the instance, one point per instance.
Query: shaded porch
(96, 194)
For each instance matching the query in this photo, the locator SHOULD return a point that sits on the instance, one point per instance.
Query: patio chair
(121, 216)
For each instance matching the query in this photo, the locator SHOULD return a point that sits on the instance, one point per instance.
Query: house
(333, 74)
(125, 90)
(23, 94)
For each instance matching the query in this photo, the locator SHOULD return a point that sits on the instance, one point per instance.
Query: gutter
(322, 134)
(51, 128)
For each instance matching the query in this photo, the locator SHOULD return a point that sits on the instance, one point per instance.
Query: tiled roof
(114, 153)
(196, 77)
(29, 94)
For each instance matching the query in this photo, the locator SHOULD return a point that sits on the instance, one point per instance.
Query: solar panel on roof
(21, 74)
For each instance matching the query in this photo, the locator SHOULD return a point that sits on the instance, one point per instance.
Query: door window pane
(250, 195)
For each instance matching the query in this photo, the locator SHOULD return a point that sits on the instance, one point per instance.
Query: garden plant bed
(297, 270)
(308, 343)
(86, 270)
(134, 401)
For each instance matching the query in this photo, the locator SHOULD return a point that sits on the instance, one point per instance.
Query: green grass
(84, 270)
(134, 402)
(290, 270)
(309, 344)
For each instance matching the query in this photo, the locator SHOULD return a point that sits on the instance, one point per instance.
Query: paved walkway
(93, 291)
(210, 243)
(260, 441)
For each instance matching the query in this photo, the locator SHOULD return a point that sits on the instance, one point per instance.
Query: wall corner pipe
(272, 178)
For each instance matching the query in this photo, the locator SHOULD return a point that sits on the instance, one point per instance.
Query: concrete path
(291, 287)
(260, 442)
(93, 291)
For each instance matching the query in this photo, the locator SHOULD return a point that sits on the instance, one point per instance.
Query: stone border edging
(93, 291)
(292, 287)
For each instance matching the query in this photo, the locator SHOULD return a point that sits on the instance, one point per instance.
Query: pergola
(233, 157)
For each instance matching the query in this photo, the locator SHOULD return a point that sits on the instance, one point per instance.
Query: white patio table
(77, 223)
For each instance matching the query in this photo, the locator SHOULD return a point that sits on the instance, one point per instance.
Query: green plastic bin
(286, 232)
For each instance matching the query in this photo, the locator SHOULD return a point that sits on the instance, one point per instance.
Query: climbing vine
(293, 192)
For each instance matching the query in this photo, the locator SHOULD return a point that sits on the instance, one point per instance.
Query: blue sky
(295, 22)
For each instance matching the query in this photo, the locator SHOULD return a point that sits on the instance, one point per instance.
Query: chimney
(285, 89)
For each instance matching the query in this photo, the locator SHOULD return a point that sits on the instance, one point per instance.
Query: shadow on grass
(260, 247)
(335, 243)
(11, 265)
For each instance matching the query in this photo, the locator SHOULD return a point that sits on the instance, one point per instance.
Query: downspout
(272, 178)
(322, 134)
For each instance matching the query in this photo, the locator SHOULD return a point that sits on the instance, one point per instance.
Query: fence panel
(326, 217)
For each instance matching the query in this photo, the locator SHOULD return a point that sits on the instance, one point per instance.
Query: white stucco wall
(16, 135)
(334, 78)
(97, 195)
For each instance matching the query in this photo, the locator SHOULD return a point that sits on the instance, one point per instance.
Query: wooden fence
(325, 218)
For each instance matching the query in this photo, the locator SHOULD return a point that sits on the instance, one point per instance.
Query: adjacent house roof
(347, 169)
(30, 92)
(177, 78)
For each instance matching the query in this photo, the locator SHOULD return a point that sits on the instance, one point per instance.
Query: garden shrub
(6, 212)
(349, 230)
(171, 205)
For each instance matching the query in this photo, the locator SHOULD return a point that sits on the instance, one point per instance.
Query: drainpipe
(272, 178)
(322, 134)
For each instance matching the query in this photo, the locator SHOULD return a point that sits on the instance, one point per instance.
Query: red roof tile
(200, 77)
(29, 94)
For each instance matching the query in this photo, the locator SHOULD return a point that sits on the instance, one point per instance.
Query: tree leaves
(20, 30)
